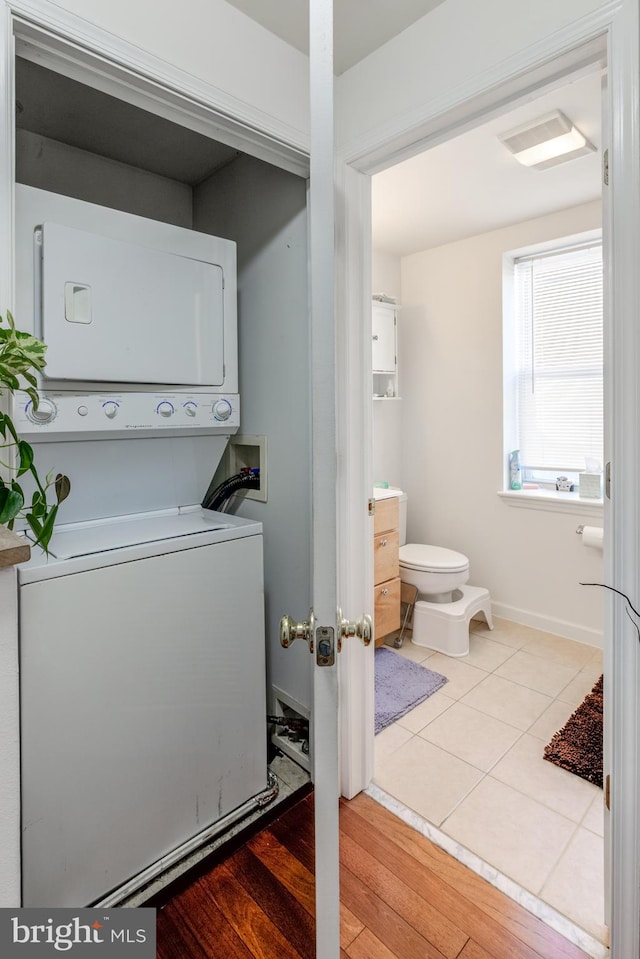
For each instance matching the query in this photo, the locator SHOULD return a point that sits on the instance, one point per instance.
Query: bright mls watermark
(78, 933)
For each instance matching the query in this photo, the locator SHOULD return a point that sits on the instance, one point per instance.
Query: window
(557, 386)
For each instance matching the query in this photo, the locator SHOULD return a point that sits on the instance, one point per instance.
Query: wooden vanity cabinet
(386, 568)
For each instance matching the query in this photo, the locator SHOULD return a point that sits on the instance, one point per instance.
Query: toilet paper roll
(593, 536)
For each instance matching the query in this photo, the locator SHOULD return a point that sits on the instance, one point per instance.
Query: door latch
(322, 639)
(325, 646)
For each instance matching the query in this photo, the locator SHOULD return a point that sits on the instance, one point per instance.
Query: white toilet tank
(403, 517)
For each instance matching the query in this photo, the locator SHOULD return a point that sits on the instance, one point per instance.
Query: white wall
(433, 60)
(264, 210)
(218, 44)
(385, 274)
(450, 347)
(51, 165)
(387, 414)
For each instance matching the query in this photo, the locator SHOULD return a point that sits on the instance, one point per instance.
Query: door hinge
(605, 167)
(371, 506)
(607, 792)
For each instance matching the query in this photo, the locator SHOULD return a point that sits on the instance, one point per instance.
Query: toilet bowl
(445, 603)
(436, 571)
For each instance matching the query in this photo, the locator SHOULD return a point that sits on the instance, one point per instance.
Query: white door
(324, 585)
(322, 629)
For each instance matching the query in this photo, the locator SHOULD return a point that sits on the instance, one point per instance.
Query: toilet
(445, 603)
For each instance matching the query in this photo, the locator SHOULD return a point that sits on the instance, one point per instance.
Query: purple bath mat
(401, 685)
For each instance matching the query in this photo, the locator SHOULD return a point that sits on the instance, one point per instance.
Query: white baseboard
(559, 627)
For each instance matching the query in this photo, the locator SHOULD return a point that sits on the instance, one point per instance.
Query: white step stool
(445, 626)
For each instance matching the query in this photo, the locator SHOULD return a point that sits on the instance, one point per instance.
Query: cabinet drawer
(387, 514)
(385, 556)
(387, 607)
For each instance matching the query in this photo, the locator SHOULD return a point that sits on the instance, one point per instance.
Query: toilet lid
(435, 559)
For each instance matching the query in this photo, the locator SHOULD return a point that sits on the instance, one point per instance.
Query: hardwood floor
(401, 898)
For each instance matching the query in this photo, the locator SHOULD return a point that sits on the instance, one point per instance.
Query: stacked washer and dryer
(142, 660)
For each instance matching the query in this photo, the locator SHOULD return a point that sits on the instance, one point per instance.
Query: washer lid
(435, 559)
(84, 539)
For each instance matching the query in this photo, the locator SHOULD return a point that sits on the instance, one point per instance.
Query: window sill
(552, 500)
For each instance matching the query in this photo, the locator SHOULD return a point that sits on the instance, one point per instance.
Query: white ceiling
(360, 26)
(472, 184)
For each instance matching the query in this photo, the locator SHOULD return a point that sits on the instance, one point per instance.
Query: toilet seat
(432, 559)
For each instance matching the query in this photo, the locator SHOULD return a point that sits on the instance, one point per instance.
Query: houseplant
(21, 357)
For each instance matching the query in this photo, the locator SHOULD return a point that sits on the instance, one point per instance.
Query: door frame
(614, 28)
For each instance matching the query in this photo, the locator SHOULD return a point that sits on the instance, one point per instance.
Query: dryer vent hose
(246, 478)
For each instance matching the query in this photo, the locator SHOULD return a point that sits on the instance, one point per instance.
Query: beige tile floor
(469, 761)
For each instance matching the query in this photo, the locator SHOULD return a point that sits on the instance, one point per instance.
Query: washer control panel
(126, 412)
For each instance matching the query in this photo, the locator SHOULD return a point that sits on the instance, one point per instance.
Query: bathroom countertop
(381, 492)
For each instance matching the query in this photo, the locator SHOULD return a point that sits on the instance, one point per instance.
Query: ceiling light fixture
(546, 141)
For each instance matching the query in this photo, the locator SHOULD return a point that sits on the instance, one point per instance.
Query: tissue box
(590, 485)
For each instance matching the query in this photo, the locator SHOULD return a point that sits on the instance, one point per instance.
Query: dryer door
(120, 312)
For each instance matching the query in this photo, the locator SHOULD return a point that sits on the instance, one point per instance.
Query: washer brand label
(78, 932)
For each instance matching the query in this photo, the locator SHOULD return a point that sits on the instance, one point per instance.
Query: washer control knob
(165, 408)
(190, 408)
(222, 410)
(45, 413)
(111, 408)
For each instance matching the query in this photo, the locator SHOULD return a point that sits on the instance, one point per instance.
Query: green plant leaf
(8, 423)
(26, 457)
(33, 395)
(21, 357)
(63, 487)
(8, 378)
(46, 530)
(11, 502)
(34, 524)
(38, 505)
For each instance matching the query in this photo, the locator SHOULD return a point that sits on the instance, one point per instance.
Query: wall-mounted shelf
(384, 349)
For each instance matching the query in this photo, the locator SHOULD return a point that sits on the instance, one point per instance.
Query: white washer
(142, 671)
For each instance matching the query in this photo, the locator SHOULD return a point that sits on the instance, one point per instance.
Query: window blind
(559, 361)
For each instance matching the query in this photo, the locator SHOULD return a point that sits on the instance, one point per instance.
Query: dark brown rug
(578, 745)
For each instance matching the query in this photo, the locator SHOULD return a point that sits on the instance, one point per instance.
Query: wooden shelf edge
(14, 549)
